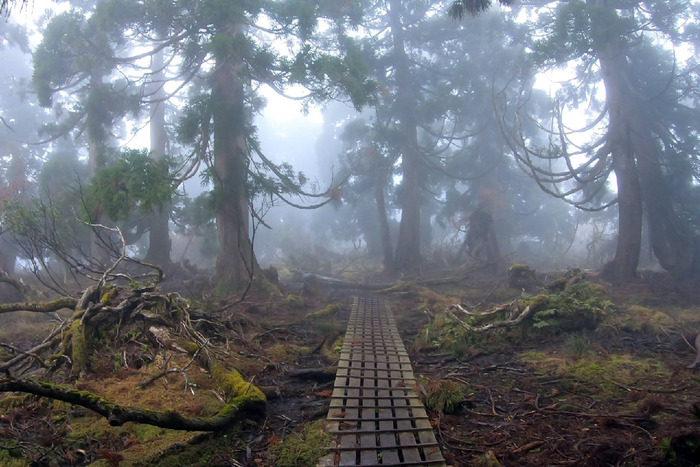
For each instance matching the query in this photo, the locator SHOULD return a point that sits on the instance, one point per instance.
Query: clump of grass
(577, 345)
(611, 375)
(303, 447)
(283, 352)
(292, 302)
(645, 320)
(328, 312)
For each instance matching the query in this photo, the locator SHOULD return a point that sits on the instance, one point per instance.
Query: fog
(387, 164)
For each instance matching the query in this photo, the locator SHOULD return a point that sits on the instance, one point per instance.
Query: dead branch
(494, 310)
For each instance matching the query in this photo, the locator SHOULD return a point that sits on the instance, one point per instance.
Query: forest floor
(536, 393)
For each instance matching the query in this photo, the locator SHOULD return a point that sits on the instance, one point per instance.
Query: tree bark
(159, 231)
(235, 262)
(408, 243)
(611, 56)
(379, 185)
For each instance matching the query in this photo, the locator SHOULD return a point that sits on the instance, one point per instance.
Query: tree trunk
(235, 262)
(97, 148)
(629, 191)
(408, 244)
(672, 239)
(159, 232)
(379, 182)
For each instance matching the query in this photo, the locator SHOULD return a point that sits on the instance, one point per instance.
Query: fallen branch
(22, 352)
(41, 307)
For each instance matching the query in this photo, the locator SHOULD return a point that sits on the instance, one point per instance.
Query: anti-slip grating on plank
(375, 416)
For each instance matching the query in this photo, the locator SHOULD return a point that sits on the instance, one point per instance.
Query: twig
(657, 391)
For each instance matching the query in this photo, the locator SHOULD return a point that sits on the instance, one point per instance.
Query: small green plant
(668, 452)
(445, 396)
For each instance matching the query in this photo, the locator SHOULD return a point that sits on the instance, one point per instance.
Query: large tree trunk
(629, 191)
(235, 262)
(97, 125)
(408, 244)
(159, 231)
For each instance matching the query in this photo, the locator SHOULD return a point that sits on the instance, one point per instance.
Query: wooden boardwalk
(375, 415)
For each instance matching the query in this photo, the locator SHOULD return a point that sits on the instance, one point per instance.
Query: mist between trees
(433, 117)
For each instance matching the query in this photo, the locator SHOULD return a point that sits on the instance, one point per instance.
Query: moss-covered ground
(597, 376)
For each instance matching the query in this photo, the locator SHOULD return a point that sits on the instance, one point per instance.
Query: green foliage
(444, 333)
(325, 73)
(568, 36)
(328, 312)
(11, 455)
(58, 57)
(134, 181)
(303, 447)
(668, 452)
(460, 8)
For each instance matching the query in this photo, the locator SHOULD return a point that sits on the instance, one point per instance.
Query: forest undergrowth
(592, 374)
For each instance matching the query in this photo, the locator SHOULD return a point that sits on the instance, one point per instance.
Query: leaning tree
(644, 132)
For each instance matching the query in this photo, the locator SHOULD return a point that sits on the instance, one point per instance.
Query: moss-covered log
(40, 307)
(242, 399)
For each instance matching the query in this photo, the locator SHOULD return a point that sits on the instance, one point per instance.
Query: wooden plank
(374, 408)
(348, 457)
(407, 439)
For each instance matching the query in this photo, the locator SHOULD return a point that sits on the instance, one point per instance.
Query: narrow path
(375, 415)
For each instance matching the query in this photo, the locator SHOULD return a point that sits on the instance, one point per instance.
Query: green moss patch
(303, 447)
